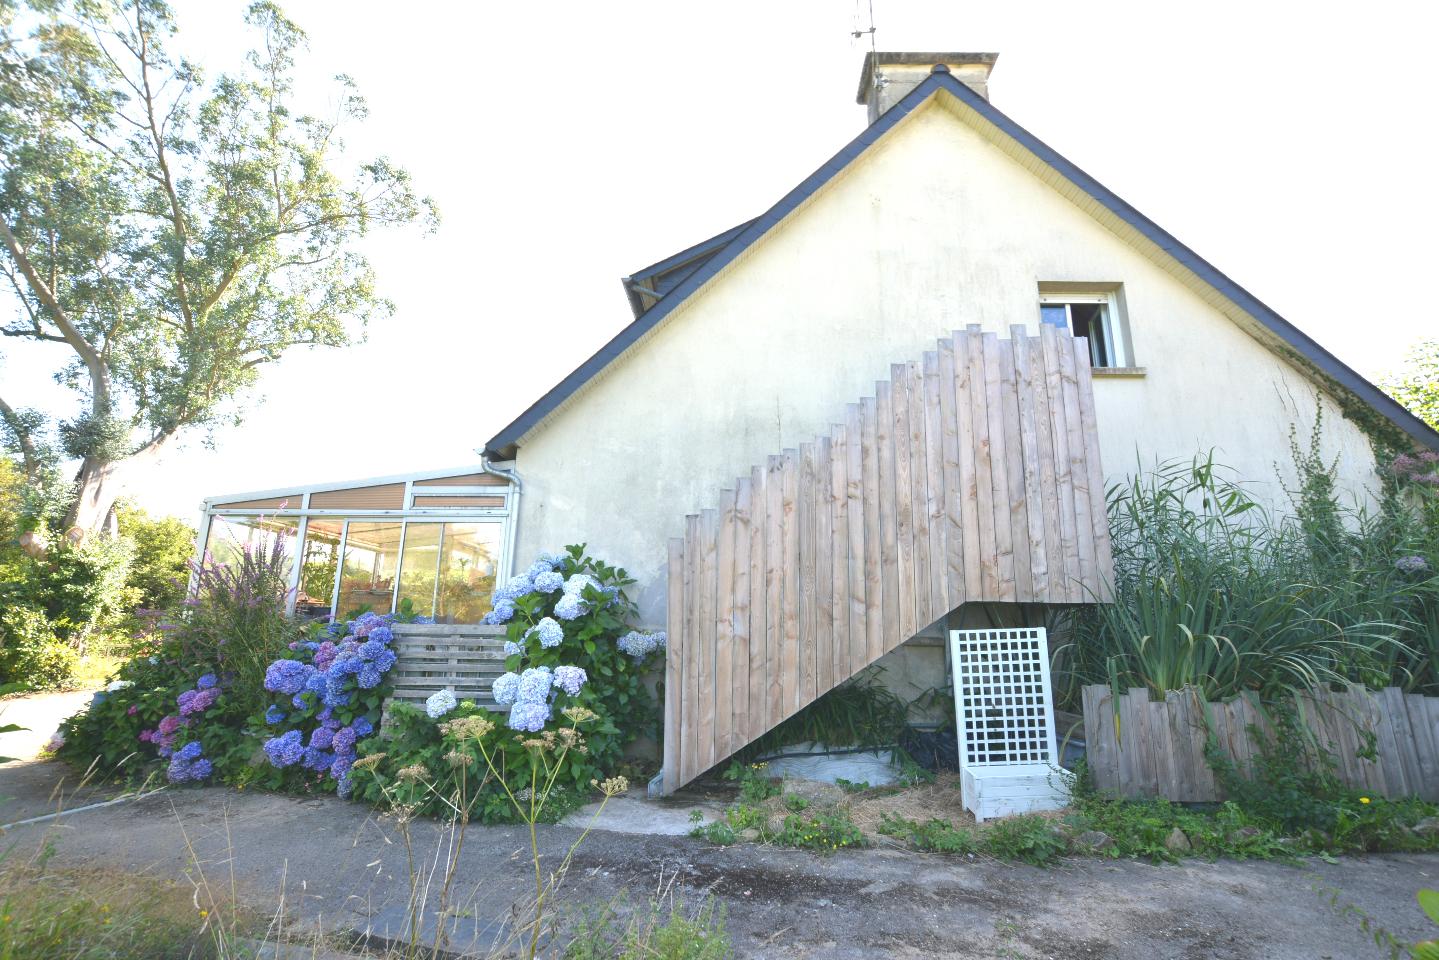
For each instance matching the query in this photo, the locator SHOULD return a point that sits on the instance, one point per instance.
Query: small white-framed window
(1094, 316)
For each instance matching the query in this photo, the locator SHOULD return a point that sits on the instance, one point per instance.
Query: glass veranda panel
(230, 538)
(469, 560)
(367, 571)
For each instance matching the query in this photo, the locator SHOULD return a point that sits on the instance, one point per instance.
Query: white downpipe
(518, 486)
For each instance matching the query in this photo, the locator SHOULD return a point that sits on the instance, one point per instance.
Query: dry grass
(940, 800)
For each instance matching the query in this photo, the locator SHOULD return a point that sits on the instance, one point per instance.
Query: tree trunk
(97, 485)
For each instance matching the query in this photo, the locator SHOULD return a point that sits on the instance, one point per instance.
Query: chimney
(886, 77)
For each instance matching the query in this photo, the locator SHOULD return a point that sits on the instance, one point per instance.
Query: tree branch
(29, 455)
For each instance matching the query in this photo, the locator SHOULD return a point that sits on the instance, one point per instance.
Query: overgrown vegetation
(664, 929)
(1213, 592)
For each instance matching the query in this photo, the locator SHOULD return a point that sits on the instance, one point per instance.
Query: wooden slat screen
(971, 475)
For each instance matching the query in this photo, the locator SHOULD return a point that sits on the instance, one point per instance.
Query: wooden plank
(854, 495)
(1395, 783)
(824, 568)
(1099, 742)
(1078, 465)
(839, 507)
(1431, 723)
(888, 545)
(740, 660)
(689, 651)
(1164, 751)
(790, 652)
(1131, 737)
(1425, 744)
(983, 499)
(1103, 590)
(925, 612)
(774, 591)
(873, 585)
(1056, 578)
(1215, 719)
(674, 685)
(1392, 700)
(705, 637)
(808, 685)
(905, 611)
(1021, 576)
(1364, 706)
(935, 495)
(973, 584)
(758, 631)
(1031, 474)
(1063, 464)
(724, 628)
(954, 497)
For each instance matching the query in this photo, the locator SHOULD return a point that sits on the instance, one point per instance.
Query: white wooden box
(1005, 791)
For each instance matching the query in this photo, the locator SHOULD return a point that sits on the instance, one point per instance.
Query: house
(763, 362)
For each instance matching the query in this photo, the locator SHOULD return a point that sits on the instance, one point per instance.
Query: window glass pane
(320, 559)
(1055, 314)
(417, 571)
(367, 573)
(231, 538)
(468, 561)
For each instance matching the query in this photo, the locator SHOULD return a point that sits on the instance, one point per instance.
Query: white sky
(568, 144)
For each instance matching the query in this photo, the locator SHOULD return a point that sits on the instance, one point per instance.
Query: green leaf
(1429, 903)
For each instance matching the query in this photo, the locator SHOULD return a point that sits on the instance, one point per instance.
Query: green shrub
(1028, 838)
(820, 833)
(30, 652)
(159, 567)
(755, 786)
(934, 835)
(612, 932)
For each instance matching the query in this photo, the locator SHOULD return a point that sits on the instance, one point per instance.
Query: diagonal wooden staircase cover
(971, 476)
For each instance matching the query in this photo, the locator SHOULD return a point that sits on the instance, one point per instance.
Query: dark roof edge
(501, 446)
(635, 283)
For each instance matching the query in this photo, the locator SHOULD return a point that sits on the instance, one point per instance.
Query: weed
(754, 785)
(663, 931)
(849, 786)
(934, 835)
(1030, 839)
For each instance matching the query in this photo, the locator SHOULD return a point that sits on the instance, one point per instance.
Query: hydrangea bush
(570, 652)
(329, 693)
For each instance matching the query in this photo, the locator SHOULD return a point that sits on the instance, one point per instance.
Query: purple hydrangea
(549, 631)
(529, 717)
(1414, 564)
(505, 688)
(344, 741)
(570, 679)
(285, 750)
(325, 655)
(364, 623)
(201, 701)
(287, 676)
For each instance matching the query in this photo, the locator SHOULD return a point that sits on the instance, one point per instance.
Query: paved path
(40, 714)
(339, 863)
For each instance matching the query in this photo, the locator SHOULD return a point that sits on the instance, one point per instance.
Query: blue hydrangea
(382, 634)
(299, 702)
(540, 567)
(439, 703)
(385, 660)
(551, 634)
(287, 676)
(362, 727)
(344, 742)
(183, 768)
(316, 684)
(569, 607)
(640, 645)
(513, 589)
(285, 750)
(274, 715)
(340, 769)
(190, 751)
(343, 785)
(369, 677)
(570, 679)
(321, 738)
(577, 583)
(513, 649)
(371, 648)
(534, 685)
(529, 717)
(503, 612)
(201, 769)
(505, 688)
(335, 693)
(549, 582)
(206, 681)
(318, 760)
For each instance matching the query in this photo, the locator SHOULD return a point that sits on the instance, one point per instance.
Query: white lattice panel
(1005, 718)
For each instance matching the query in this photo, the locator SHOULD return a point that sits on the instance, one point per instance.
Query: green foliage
(850, 786)
(616, 932)
(173, 232)
(1429, 903)
(823, 832)
(755, 786)
(1417, 385)
(858, 713)
(1028, 838)
(159, 565)
(415, 743)
(934, 835)
(30, 653)
(1210, 592)
(616, 688)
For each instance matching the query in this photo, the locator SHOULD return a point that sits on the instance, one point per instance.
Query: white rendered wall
(934, 229)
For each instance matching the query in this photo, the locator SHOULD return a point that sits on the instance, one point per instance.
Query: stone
(1093, 841)
(1177, 842)
(1242, 834)
(749, 835)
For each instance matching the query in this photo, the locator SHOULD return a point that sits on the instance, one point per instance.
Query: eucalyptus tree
(168, 234)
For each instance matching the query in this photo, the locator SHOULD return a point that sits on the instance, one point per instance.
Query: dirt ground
(338, 865)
